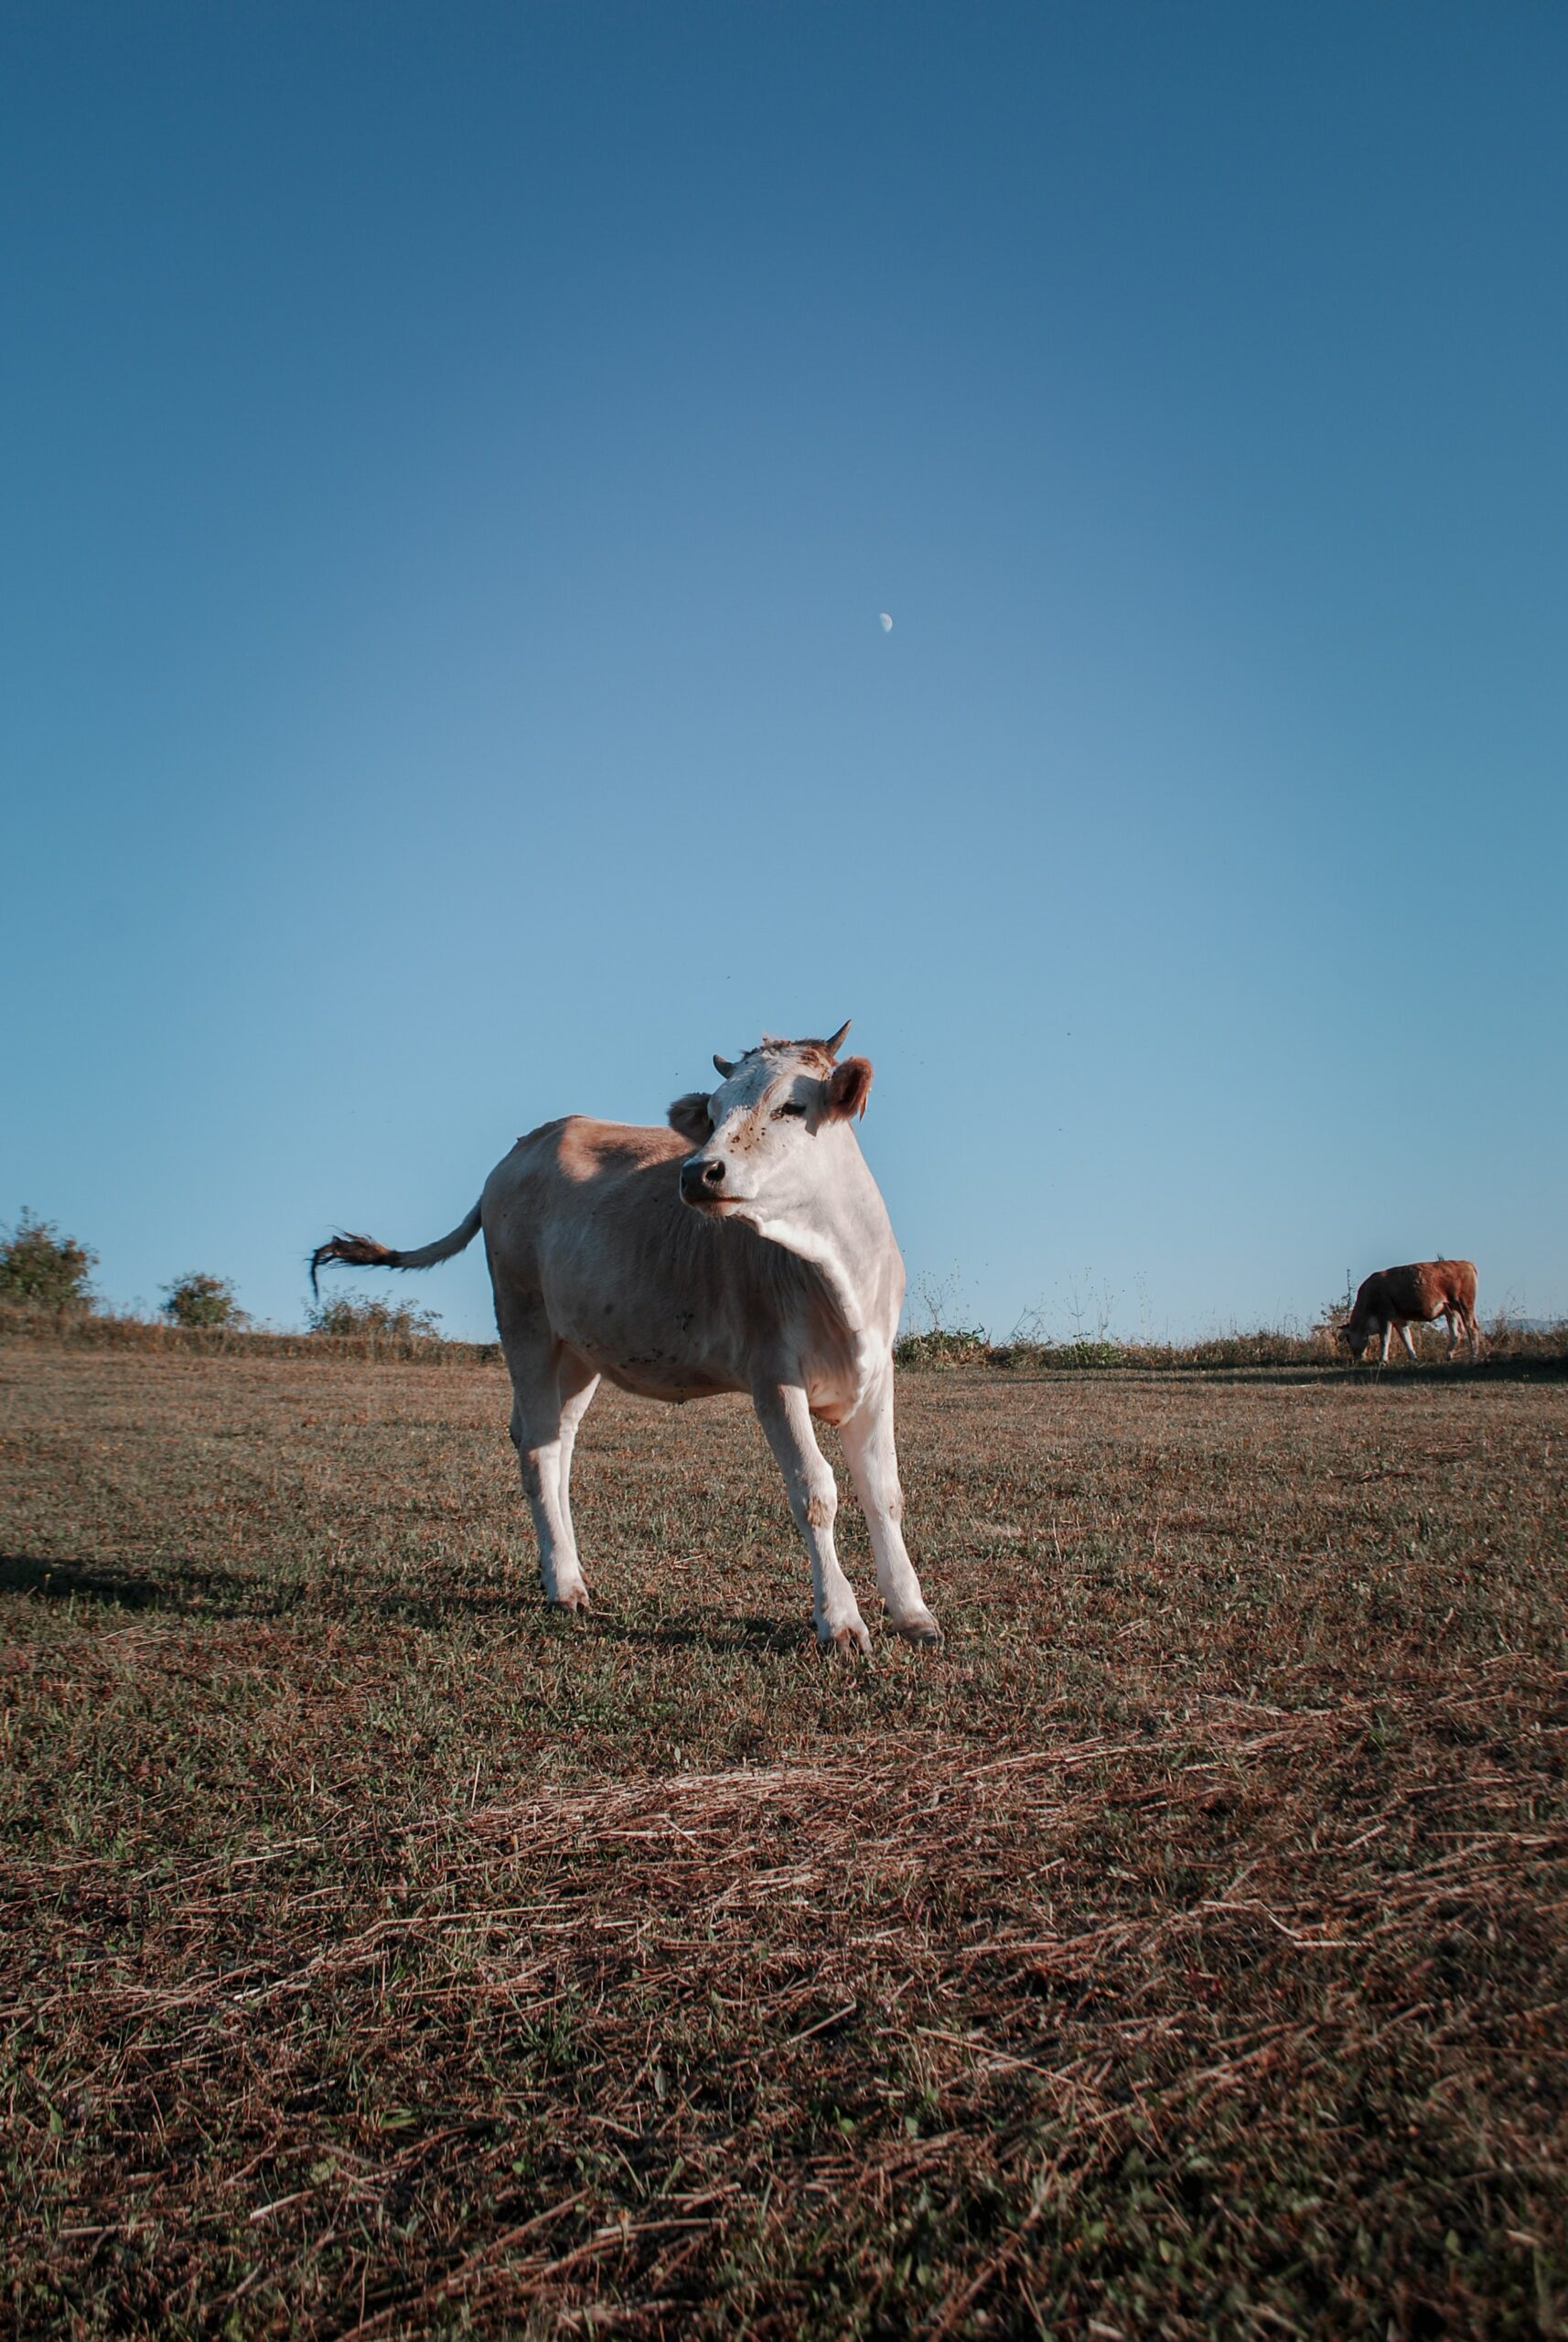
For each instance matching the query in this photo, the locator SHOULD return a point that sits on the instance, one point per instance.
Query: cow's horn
(723, 1064)
(836, 1044)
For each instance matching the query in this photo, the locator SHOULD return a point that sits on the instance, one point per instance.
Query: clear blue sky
(453, 459)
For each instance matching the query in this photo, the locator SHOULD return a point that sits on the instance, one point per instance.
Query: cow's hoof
(920, 1630)
(575, 1606)
(850, 1643)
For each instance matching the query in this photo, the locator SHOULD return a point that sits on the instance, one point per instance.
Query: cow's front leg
(809, 1482)
(1404, 1337)
(873, 1460)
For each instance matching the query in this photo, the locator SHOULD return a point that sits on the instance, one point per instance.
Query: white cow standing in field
(745, 1247)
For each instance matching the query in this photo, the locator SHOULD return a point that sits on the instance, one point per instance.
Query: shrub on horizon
(1325, 1328)
(943, 1345)
(376, 1320)
(198, 1299)
(41, 1269)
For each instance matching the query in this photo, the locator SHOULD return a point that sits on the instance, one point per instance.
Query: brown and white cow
(745, 1247)
(1393, 1300)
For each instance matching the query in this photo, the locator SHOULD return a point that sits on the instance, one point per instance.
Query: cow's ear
(690, 1118)
(849, 1087)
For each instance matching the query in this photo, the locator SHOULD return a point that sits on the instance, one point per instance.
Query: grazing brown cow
(1393, 1300)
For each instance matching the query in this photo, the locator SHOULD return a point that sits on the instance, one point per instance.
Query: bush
(943, 1345)
(1325, 1325)
(41, 1269)
(380, 1321)
(198, 1299)
(1044, 1355)
(940, 1342)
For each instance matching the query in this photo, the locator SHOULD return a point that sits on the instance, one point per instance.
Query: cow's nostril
(713, 1175)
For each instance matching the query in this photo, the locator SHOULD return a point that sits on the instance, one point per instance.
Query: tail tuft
(364, 1253)
(359, 1252)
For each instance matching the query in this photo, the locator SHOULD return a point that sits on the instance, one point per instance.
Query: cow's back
(578, 1184)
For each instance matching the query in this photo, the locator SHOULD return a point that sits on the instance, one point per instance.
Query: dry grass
(1507, 1344)
(1180, 1951)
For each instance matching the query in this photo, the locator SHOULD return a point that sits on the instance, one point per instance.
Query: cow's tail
(364, 1253)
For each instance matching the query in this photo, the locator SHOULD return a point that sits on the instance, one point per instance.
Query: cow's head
(1354, 1337)
(760, 1136)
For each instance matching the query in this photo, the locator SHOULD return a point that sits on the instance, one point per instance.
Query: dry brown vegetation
(1179, 1951)
(360, 1330)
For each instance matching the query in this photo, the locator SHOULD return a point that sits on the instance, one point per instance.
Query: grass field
(1179, 1951)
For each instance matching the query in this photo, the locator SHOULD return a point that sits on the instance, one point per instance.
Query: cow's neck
(826, 1256)
(846, 1223)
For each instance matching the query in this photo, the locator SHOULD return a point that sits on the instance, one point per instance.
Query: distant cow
(745, 1247)
(1393, 1300)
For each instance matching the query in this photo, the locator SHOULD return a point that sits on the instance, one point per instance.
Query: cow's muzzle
(701, 1181)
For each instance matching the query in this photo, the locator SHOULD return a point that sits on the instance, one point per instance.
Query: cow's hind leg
(551, 1391)
(873, 1460)
(786, 1419)
(572, 1409)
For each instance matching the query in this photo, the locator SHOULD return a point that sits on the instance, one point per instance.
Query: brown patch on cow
(849, 1088)
(586, 1149)
(815, 1055)
(822, 1053)
(820, 1512)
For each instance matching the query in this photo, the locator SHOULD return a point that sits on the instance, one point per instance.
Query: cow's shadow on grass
(1424, 1372)
(221, 1594)
(189, 1588)
(693, 1630)
(213, 1591)
(522, 1616)
(1427, 1371)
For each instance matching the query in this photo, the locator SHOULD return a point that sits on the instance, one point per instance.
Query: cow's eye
(791, 1109)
